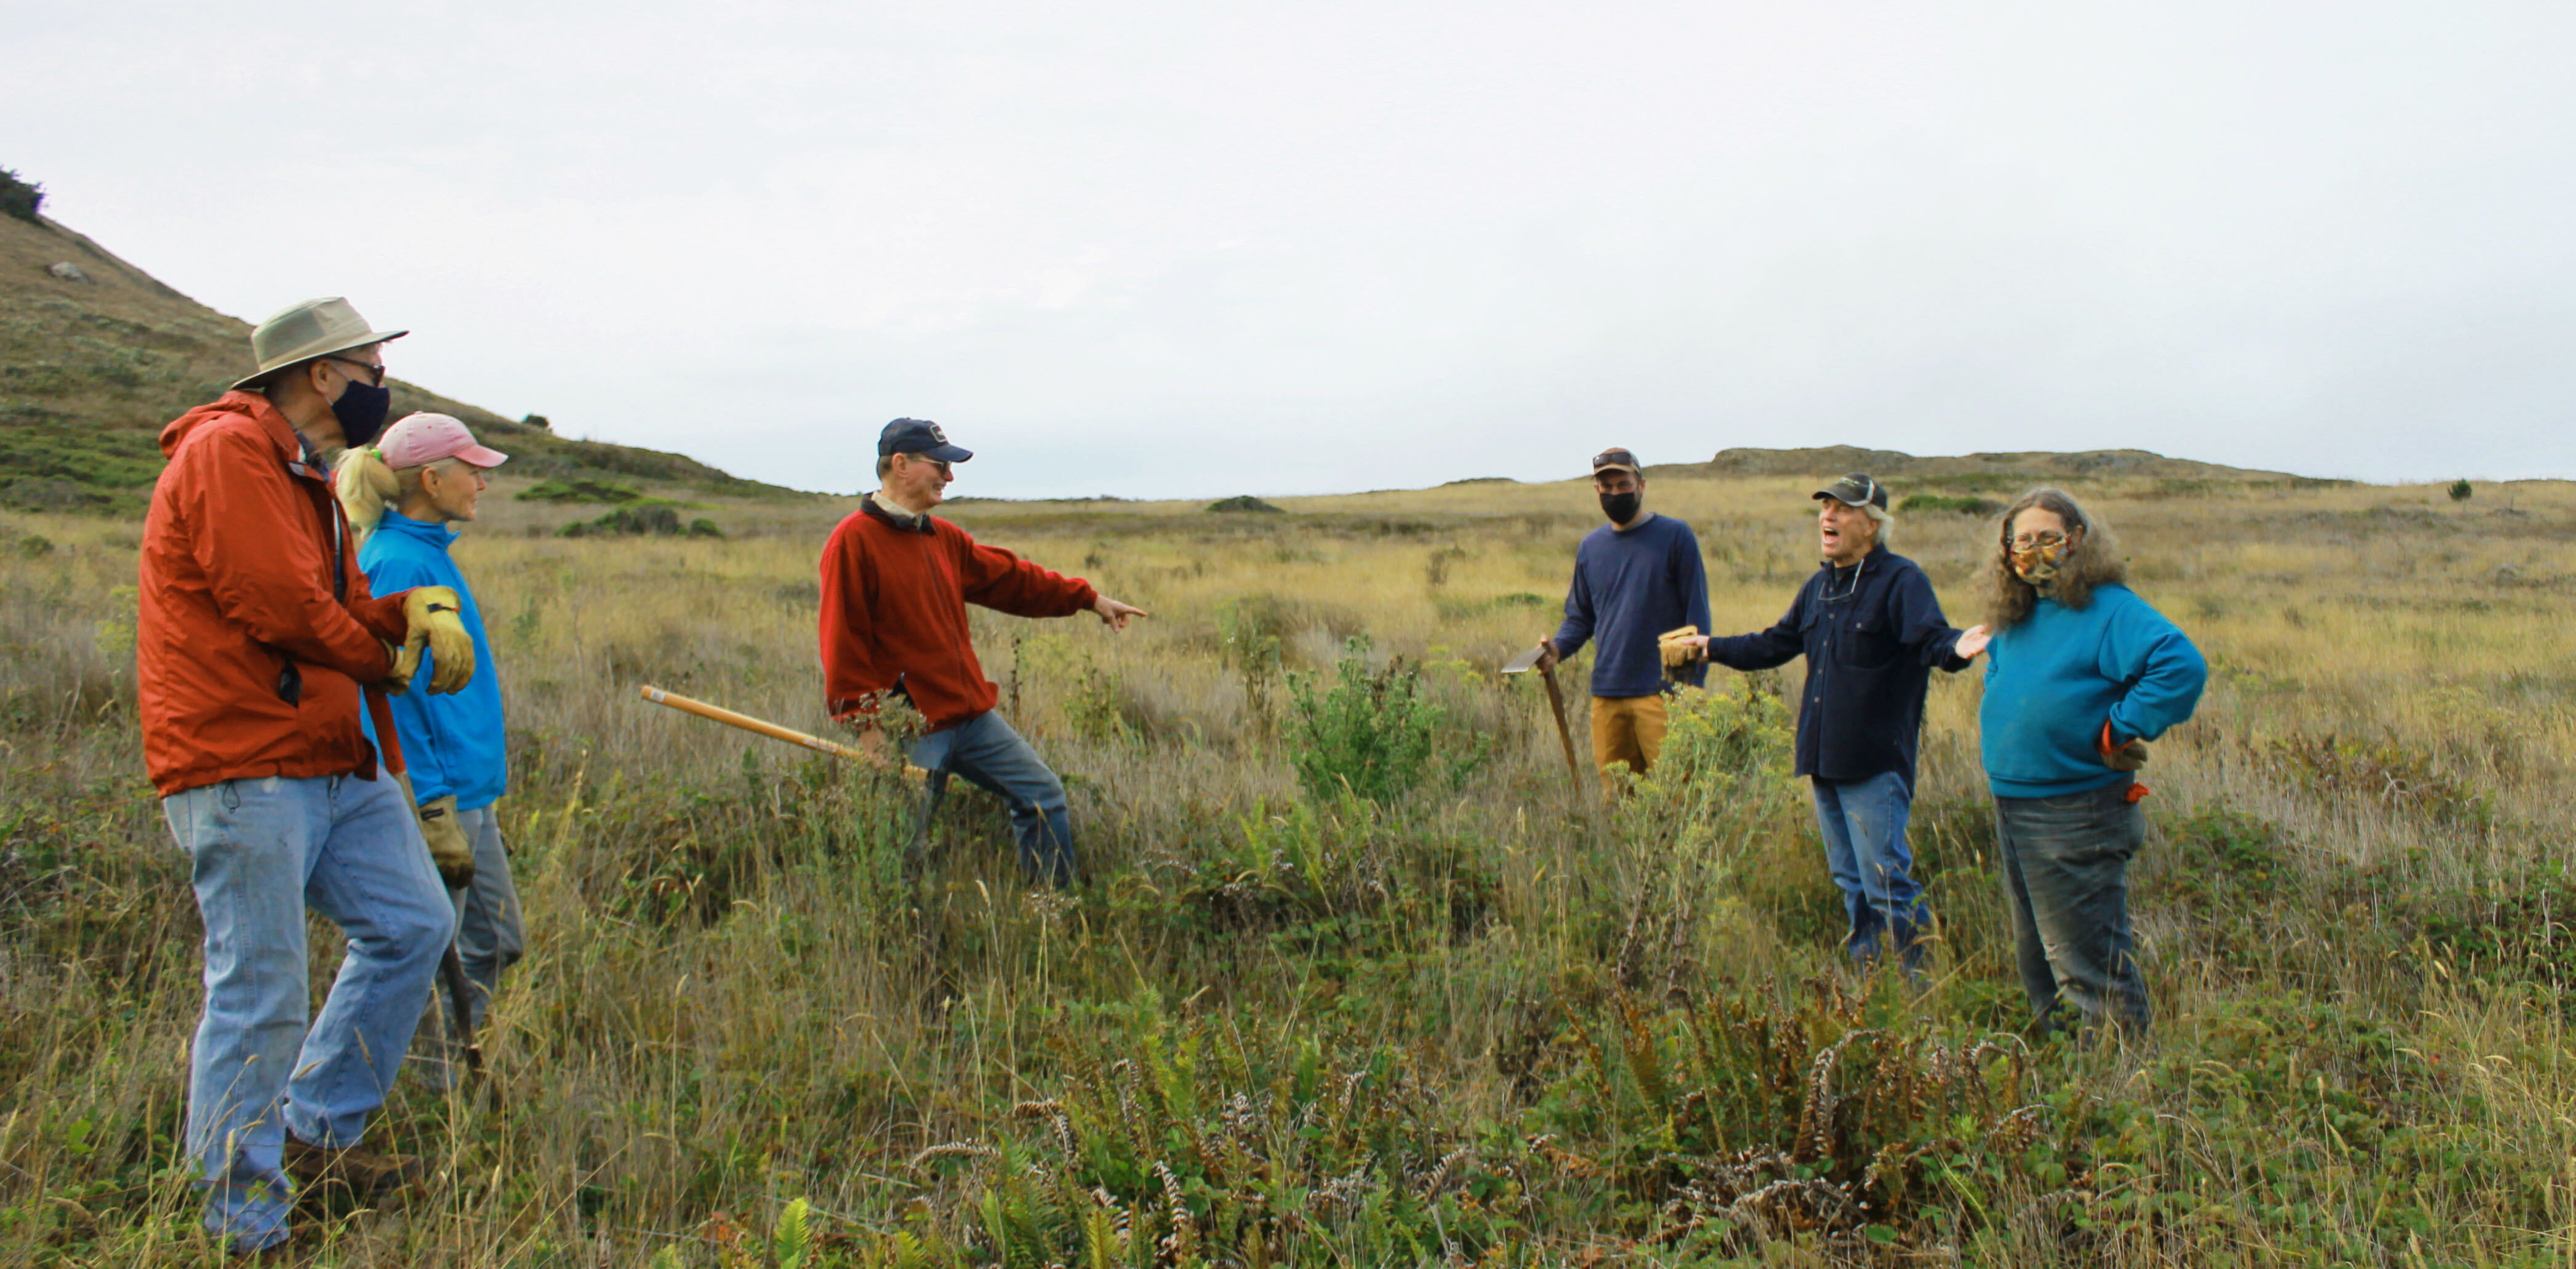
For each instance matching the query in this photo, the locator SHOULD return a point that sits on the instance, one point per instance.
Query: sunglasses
(375, 368)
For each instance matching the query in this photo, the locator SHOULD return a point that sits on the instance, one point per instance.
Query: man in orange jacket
(255, 639)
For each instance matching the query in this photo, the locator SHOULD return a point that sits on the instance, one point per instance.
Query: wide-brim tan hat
(314, 328)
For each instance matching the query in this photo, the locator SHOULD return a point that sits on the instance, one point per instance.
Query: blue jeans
(1864, 828)
(986, 751)
(264, 850)
(2066, 879)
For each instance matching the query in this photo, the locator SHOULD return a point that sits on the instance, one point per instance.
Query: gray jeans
(490, 934)
(490, 937)
(2066, 880)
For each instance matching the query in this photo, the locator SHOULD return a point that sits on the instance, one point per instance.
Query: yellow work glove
(1679, 653)
(437, 622)
(448, 847)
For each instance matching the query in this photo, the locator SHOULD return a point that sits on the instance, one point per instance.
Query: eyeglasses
(376, 366)
(2040, 541)
(941, 464)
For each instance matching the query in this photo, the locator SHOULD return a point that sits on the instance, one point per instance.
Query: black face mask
(1622, 507)
(361, 410)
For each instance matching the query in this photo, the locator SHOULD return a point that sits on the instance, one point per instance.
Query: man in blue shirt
(1634, 579)
(1871, 631)
(456, 744)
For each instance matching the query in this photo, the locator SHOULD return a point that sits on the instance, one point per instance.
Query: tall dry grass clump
(1307, 1013)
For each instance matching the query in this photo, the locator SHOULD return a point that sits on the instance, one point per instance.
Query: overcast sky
(1200, 249)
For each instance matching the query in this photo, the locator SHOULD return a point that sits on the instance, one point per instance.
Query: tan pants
(1627, 729)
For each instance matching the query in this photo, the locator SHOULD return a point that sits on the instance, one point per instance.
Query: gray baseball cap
(302, 332)
(1858, 489)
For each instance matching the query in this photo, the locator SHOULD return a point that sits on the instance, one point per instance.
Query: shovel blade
(1525, 662)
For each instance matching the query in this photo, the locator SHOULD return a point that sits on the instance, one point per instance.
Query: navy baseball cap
(919, 436)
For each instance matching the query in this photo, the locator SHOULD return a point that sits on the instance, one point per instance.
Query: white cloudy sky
(1209, 248)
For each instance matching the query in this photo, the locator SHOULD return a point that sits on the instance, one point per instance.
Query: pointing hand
(1115, 613)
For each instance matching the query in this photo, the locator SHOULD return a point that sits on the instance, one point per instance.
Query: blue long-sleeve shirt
(1631, 585)
(453, 743)
(1871, 633)
(2053, 679)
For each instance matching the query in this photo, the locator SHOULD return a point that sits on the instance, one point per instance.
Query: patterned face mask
(2039, 562)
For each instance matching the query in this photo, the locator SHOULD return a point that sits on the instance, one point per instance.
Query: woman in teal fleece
(2080, 675)
(427, 472)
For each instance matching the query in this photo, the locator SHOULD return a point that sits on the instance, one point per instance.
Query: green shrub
(20, 198)
(1372, 734)
(2462, 491)
(1243, 502)
(703, 527)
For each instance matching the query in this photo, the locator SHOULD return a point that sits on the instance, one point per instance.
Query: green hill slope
(95, 355)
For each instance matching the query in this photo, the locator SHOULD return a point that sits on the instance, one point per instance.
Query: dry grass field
(1480, 1020)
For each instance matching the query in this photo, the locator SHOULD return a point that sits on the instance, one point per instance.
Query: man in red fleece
(896, 582)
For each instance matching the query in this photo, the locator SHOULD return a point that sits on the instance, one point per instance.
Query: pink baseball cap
(416, 439)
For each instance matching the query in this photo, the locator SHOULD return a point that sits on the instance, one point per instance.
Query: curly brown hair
(2095, 561)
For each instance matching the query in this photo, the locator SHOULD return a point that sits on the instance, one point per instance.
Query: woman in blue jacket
(427, 474)
(2080, 674)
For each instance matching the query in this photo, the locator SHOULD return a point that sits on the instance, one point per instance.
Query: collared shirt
(917, 521)
(1871, 633)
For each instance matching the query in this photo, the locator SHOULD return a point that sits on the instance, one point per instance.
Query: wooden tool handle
(772, 730)
(1556, 705)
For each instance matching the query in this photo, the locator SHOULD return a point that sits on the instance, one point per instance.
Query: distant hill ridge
(95, 357)
(2021, 468)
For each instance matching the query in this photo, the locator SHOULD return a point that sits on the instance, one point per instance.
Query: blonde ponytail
(366, 488)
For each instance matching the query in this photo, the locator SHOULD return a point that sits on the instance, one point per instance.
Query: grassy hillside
(92, 365)
(1483, 1020)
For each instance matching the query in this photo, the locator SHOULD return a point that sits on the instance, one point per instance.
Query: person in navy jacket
(2080, 675)
(1871, 631)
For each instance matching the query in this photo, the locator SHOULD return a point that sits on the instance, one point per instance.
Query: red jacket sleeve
(383, 616)
(1004, 582)
(265, 573)
(853, 672)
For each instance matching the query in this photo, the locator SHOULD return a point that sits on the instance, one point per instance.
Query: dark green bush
(20, 198)
(628, 522)
(580, 490)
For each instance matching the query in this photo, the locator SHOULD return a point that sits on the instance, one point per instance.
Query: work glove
(1678, 650)
(2123, 757)
(448, 847)
(436, 622)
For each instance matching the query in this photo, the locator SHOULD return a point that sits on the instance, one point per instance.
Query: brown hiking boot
(364, 1173)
